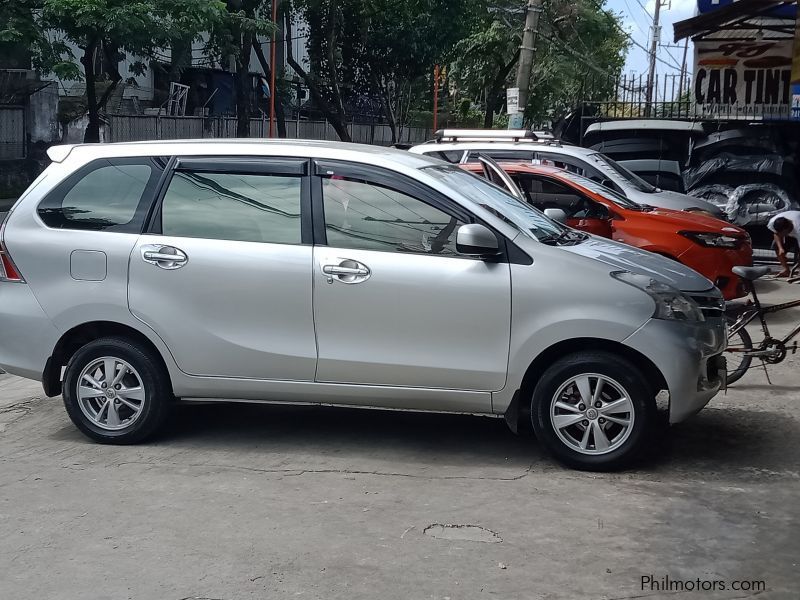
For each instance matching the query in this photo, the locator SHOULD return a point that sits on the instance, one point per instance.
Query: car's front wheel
(116, 391)
(592, 410)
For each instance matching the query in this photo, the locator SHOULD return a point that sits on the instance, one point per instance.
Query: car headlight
(712, 240)
(670, 303)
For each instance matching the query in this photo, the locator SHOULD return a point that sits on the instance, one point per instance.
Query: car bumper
(717, 265)
(689, 356)
(27, 337)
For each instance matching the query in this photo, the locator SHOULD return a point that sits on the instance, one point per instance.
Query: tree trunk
(494, 89)
(488, 116)
(335, 118)
(280, 117)
(92, 133)
(385, 96)
(111, 67)
(242, 86)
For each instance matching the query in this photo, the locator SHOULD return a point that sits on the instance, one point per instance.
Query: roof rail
(482, 135)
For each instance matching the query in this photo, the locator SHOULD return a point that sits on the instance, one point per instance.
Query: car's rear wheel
(116, 391)
(592, 410)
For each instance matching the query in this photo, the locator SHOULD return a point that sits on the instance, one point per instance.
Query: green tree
(234, 35)
(107, 30)
(577, 43)
(21, 28)
(333, 38)
(402, 40)
(378, 48)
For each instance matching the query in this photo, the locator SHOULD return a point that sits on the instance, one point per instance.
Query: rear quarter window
(106, 195)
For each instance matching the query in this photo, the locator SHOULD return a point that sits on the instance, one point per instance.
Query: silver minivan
(136, 275)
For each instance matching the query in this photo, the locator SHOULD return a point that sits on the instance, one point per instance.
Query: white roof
(376, 155)
(649, 124)
(532, 146)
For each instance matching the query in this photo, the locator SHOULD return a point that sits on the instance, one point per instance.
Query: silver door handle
(159, 257)
(337, 270)
(164, 257)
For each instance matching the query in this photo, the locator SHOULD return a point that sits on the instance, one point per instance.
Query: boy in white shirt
(785, 225)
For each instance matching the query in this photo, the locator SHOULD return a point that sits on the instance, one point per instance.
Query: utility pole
(651, 73)
(683, 80)
(273, 67)
(436, 73)
(526, 52)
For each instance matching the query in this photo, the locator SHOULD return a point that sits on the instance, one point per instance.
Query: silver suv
(324, 273)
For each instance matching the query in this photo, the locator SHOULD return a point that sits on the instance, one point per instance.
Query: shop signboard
(746, 78)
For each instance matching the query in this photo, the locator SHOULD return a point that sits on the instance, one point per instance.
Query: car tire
(592, 435)
(126, 407)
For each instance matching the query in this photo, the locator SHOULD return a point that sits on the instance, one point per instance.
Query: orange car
(707, 245)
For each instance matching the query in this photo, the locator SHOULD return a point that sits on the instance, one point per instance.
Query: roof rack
(483, 135)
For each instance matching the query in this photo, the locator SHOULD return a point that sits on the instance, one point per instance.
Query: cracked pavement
(243, 502)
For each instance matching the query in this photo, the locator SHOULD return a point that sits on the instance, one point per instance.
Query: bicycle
(770, 350)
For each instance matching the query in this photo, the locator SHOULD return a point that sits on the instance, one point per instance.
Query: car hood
(677, 201)
(692, 221)
(622, 257)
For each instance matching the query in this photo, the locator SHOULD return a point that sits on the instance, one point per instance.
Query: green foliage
(381, 48)
(579, 53)
(576, 45)
(239, 20)
(21, 27)
(138, 27)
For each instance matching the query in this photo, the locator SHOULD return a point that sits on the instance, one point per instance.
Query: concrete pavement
(241, 502)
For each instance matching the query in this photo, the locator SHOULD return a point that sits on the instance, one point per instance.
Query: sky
(637, 22)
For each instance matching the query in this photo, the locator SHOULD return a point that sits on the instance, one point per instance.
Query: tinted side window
(545, 193)
(105, 195)
(367, 216)
(501, 155)
(233, 206)
(562, 162)
(451, 156)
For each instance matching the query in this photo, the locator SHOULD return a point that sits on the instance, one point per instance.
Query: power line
(619, 28)
(633, 16)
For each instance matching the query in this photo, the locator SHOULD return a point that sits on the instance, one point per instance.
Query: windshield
(606, 164)
(500, 203)
(600, 189)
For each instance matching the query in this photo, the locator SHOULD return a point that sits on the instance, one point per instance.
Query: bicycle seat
(750, 273)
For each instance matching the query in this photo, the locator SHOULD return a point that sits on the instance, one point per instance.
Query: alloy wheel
(110, 393)
(592, 414)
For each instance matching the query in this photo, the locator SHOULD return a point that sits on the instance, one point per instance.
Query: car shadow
(767, 387)
(320, 434)
(724, 443)
(729, 443)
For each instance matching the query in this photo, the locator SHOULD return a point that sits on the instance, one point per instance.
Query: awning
(741, 15)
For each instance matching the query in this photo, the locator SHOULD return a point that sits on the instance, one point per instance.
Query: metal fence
(667, 96)
(12, 132)
(128, 128)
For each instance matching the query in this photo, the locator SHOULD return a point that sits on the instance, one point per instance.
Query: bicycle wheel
(739, 343)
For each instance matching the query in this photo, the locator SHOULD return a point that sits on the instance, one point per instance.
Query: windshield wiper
(567, 236)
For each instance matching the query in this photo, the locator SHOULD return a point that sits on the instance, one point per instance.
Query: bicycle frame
(759, 311)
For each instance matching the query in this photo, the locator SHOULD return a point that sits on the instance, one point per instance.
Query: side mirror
(476, 240)
(556, 214)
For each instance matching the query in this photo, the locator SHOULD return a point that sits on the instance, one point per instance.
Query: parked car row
(707, 245)
(454, 145)
(589, 202)
(134, 275)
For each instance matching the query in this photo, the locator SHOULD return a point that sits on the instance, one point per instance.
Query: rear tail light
(8, 270)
